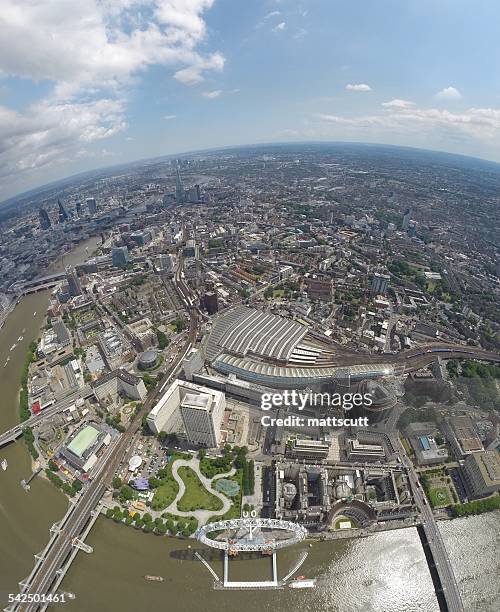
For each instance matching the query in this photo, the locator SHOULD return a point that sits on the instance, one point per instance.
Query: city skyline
(115, 82)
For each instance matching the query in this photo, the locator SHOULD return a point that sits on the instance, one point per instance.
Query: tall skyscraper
(43, 215)
(119, 256)
(202, 410)
(406, 219)
(180, 194)
(63, 213)
(380, 282)
(75, 288)
(91, 206)
(79, 208)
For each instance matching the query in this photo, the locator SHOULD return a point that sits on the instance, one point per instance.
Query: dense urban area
(227, 278)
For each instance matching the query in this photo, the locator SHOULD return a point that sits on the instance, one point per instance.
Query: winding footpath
(202, 516)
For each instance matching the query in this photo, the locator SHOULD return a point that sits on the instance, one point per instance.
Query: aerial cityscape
(239, 375)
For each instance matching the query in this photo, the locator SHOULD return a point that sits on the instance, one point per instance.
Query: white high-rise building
(192, 410)
(202, 413)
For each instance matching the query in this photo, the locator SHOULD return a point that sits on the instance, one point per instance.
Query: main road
(49, 569)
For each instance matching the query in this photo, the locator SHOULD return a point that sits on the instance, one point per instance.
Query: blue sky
(112, 81)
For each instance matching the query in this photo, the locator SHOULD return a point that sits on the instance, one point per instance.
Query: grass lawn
(166, 492)
(439, 496)
(278, 293)
(196, 497)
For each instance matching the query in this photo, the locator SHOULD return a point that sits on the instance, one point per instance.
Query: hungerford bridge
(247, 535)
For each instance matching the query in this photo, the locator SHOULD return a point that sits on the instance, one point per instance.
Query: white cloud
(358, 87)
(272, 14)
(280, 27)
(50, 133)
(194, 74)
(474, 124)
(169, 117)
(397, 103)
(91, 52)
(449, 93)
(216, 93)
(300, 34)
(212, 94)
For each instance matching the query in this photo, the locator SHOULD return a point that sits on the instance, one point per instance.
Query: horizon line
(33, 190)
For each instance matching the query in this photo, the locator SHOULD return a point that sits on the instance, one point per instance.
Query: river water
(386, 572)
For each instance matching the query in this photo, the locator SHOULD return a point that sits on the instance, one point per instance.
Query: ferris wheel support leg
(275, 568)
(226, 568)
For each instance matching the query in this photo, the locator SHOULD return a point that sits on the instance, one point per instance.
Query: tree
(53, 466)
(126, 492)
(117, 482)
(163, 473)
(162, 339)
(138, 520)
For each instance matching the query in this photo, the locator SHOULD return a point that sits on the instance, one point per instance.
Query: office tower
(380, 282)
(202, 411)
(119, 257)
(43, 215)
(406, 219)
(179, 187)
(166, 263)
(63, 213)
(91, 206)
(193, 194)
(73, 281)
(210, 302)
(79, 208)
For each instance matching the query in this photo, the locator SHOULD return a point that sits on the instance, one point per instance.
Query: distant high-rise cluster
(191, 195)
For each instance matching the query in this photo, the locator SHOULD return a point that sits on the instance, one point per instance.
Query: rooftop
(83, 440)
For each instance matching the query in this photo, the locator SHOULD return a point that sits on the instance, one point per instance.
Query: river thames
(386, 572)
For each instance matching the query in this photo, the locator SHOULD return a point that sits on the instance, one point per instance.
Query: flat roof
(83, 440)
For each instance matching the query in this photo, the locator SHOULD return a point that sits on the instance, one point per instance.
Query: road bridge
(448, 594)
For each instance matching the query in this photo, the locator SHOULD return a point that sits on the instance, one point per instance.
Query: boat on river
(301, 582)
(4, 465)
(153, 578)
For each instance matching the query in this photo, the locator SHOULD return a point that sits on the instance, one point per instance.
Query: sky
(94, 83)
